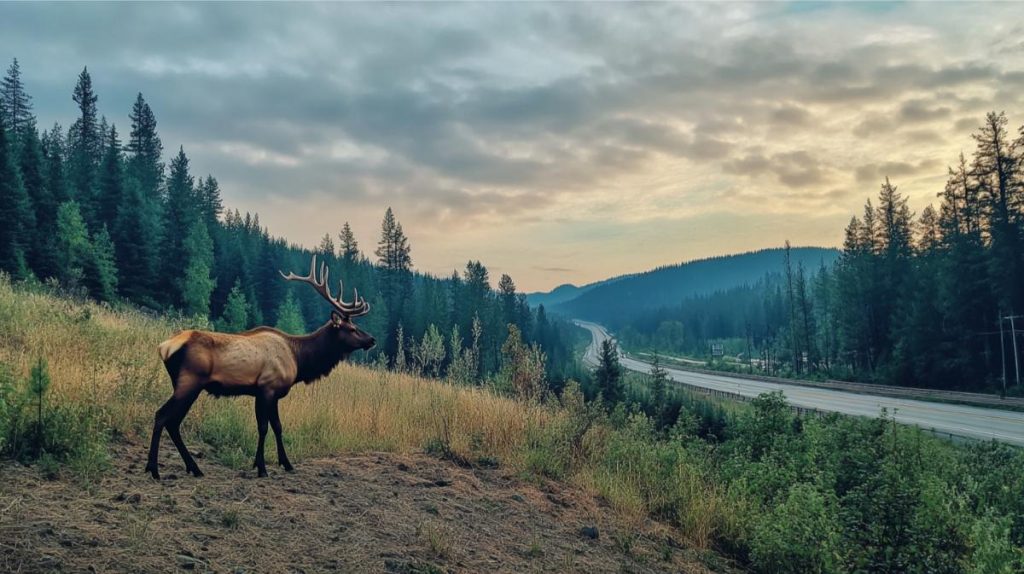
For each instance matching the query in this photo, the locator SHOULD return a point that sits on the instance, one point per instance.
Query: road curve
(958, 420)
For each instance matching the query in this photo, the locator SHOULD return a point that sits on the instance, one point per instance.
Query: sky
(558, 143)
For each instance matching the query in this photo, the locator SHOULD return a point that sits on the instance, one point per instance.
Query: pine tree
(16, 105)
(101, 272)
(996, 169)
(394, 271)
(608, 375)
(349, 247)
(507, 296)
(111, 180)
(197, 285)
(210, 204)
(85, 149)
(73, 248)
(15, 212)
(289, 316)
(136, 235)
(236, 315)
(180, 213)
(145, 151)
(52, 193)
(659, 392)
(326, 249)
(38, 230)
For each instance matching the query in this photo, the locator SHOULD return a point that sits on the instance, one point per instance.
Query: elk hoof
(262, 473)
(196, 472)
(151, 468)
(288, 466)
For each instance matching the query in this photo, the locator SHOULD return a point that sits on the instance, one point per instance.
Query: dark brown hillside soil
(360, 513)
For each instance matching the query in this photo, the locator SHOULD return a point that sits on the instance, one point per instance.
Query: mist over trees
(915, 299)
(110, 219)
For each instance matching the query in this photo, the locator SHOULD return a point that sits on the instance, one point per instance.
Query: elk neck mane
(316, 354)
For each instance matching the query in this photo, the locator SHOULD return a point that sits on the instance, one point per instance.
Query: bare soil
(362, 513)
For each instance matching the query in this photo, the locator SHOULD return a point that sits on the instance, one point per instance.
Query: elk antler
(357, 308)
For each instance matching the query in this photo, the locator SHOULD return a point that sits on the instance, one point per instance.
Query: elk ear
(336, 319)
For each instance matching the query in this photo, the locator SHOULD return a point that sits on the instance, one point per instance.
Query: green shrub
(799, 535)
(994, 552)
(32, 429)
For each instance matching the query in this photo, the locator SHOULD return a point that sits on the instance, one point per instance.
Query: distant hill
(559, 294)
(668, 285)
(563, 293)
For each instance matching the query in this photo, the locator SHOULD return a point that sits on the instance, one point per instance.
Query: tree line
(914, 300)
(111, 219)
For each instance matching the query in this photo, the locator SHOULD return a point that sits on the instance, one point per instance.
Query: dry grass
(105, 359)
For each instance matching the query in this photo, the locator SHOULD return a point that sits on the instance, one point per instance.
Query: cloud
(490, 119)
(791, 169)
(876, 173)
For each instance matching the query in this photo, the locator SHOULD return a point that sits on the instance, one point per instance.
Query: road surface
(957, 420)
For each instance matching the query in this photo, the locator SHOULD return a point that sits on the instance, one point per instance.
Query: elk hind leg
(275, 423)
(262, 418)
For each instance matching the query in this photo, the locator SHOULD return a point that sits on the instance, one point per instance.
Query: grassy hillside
(772, 492)
(667, 286)
(107, 381)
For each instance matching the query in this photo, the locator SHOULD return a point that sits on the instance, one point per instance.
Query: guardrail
(935, 395)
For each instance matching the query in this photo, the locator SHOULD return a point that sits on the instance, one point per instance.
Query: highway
(943, 418)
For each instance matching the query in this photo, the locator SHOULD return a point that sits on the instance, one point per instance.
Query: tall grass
(105, 359)
(777, 493)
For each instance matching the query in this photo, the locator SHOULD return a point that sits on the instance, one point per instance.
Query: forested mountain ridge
(925, 300)
(629, 295)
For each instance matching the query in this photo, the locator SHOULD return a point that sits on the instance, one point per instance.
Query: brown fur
(262, 362)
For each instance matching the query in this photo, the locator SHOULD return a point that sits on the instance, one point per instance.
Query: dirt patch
(360, 513)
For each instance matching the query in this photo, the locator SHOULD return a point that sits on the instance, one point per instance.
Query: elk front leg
(275, 423)
(173, 429)
(262, 418)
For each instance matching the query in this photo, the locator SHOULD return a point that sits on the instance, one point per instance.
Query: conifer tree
(101, 271)
(289, 316)
(236, 313)
(348, 246)
(85, 147)
(73, 248)
(210, 204)
(507, 295)
(608, 375)
(180, 213)
(15, 211)
(145, 151)
(197, 284)
(111, 180)
(16, 105)
(659, 392)
(39, 247)
(136, 235)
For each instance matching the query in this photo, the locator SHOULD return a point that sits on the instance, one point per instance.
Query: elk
(263, 362)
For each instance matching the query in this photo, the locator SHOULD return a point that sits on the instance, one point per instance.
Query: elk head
(348, 335)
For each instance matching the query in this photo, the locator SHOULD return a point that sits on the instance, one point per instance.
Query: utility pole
(1002, 354)
(1013, 341)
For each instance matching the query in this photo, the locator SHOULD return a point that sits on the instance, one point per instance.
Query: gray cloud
(491, 115)
(875, 173)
